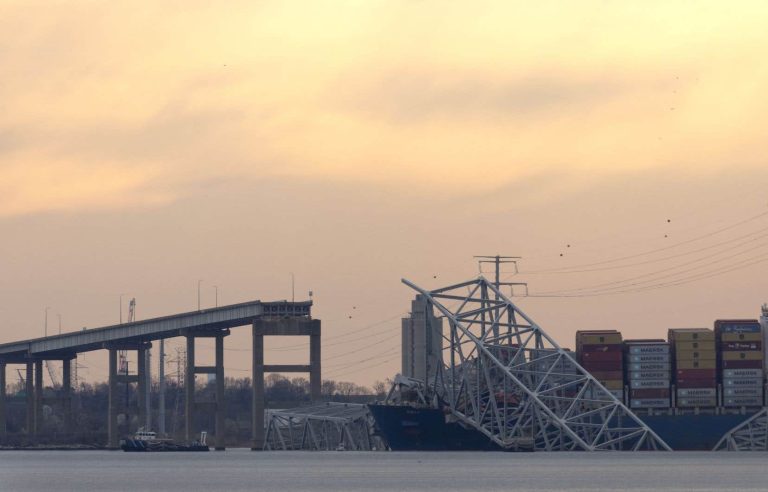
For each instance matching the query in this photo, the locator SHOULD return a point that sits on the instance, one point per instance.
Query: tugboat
(144, 441)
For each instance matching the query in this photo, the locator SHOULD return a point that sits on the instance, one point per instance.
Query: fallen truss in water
(750, 435)
(326, 427)
(504, 376)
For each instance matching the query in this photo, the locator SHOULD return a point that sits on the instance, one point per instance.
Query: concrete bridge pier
(113, 439)
(29, 391)
(38, 411)
(66, 394)
(281, 326)
(191, 405)
(3, 427)
(142, 384)
(220, 407)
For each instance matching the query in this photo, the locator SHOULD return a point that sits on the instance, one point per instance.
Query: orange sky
(146, 145)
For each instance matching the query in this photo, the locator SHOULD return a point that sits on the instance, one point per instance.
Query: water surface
(240, 470)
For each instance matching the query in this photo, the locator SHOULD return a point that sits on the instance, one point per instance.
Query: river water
(236, 470)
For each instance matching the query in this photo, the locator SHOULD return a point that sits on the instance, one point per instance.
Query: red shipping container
(650, 393)
(607, 375)
(742, 364)
(696, 373)
(608, 347)
(695, 383)
(602, 366)
(602, 356)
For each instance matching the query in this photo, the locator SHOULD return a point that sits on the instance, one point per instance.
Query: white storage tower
(422, 341)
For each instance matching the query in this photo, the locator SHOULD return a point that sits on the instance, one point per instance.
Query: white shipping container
(697, 392)
(743, 402)
(649, 366)
(649, 383)
(742, 382)
(696, 402)
(742, 373)
(758, 392)
(648, 358)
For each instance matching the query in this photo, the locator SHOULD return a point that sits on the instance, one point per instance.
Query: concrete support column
(38, 425)
(66, 394)
(258, 388)
(112, 422)
(3, 428)
(315, 382)
(189, 386)
(161, 390)
(141, 394)
(30, 396)
(220, 432)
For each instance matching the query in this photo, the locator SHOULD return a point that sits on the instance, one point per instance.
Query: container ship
(691, 388)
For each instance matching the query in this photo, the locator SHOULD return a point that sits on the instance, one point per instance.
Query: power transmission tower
(497, 261)
(180, 360)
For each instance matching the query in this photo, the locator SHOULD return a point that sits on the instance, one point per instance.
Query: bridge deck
(151, 329)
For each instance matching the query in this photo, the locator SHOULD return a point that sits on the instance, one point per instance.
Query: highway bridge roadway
(279, 318)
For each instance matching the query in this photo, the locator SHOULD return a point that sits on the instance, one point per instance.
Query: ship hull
(407, 428)
(139, 446)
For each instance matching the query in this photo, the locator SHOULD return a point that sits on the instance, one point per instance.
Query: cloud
(416, 96)
(68, 186)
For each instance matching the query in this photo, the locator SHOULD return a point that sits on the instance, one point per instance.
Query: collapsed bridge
(500, 373)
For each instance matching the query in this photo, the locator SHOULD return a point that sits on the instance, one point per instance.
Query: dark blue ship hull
(407, 428)
(693, 432)
(136, 445)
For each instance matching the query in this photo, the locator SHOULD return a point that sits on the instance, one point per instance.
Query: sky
(147, 145)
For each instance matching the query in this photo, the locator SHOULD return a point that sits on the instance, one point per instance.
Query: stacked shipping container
(601, 353)
(648, 373)
(740, 362)
(694, 360)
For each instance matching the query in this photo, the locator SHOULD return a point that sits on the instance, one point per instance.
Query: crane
(52, 374)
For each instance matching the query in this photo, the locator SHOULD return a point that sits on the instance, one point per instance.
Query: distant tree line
(90, 407)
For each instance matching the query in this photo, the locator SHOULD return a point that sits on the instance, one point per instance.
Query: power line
(337, 374)
(656, 260)
(652, 274)
(373, 344)
(362, 361)
(693, 278)
(666, 248)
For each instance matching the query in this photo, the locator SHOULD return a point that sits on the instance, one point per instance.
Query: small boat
(145, 441)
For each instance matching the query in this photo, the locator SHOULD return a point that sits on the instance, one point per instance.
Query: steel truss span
(326, 427)
(750, 435)
(504, 376)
